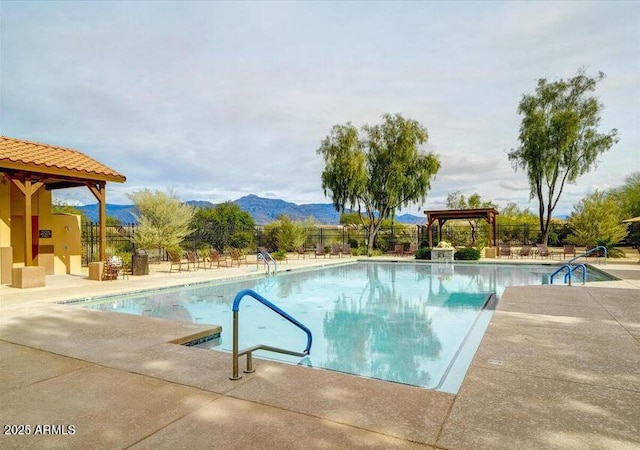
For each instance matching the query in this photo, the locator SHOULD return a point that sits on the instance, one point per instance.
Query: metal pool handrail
(248, 351)
(587, 253)
(266, 257)
(570, 269)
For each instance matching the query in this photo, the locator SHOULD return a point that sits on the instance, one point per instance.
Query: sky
(217, 100)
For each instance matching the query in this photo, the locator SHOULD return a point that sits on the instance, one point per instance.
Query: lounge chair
(525, 251)
(346, 249)
(320, 250)
(398, 249)
(505, 250)
(543, 251)
(569, 250)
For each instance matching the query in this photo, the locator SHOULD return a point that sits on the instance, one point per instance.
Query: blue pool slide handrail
(572, 268)
(237, 354)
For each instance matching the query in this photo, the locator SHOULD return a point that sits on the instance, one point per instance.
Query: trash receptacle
(140, 263)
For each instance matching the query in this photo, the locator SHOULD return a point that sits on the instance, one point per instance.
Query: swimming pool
(417, 324)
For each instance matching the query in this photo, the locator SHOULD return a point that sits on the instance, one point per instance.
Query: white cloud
(219, 100)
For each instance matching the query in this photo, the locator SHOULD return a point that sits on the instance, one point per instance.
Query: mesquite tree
(377, 170)
(559, 139)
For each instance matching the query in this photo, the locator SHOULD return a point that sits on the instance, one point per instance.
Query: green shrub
(241, 239)
(467, 254)
(279, 255)
(353, 243)
(612, 252)
(423, 253)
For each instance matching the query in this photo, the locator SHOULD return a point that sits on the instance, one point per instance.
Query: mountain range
(263, 211)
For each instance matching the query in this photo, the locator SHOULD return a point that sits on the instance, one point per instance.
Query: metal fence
(118, 240)
(119, 237)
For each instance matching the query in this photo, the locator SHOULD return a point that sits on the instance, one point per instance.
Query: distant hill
(263, 211)
(121, 212)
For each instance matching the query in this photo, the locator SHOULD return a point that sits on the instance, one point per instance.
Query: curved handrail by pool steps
(249, 351)
(570, 268)
(268, 259)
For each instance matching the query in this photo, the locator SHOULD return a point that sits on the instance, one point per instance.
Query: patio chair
(216, 258)
(112, 267)
(409, 250)
(238, 257)
(598, 254)
(193, 260)
(126, 268)
(334, 251)
(301, 251)
(176, 260)
(397, 250)
(525, 251)
(544, 252)
(505, 250)
(320, 250)
(346, 249)
(569, 250)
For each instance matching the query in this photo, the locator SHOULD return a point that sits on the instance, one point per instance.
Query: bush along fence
(119, 238)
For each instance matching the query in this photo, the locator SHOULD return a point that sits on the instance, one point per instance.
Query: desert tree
(559, 139)
(225, 225)
(628, 195)
(163, 220)
(378, 170)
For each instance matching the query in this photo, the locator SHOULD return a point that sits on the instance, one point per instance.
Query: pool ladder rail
(236, 354)
(268, 259)
(572, 268)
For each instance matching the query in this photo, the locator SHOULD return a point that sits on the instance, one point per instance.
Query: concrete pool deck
(559, 367)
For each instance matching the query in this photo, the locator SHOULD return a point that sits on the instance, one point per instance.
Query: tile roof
(43, 158)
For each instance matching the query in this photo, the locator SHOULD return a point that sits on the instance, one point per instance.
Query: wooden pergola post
(100, 193)
(28, 188)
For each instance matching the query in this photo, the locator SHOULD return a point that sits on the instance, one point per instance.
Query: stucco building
(31, 235)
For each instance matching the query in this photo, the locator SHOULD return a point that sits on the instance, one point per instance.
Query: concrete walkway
(559, 367)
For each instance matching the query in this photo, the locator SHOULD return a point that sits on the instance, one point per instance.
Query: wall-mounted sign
(45, 233)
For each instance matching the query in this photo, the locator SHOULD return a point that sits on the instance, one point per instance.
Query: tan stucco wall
(67, 243)
(65, 230)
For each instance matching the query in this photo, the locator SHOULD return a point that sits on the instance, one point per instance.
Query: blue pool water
(417, 324)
